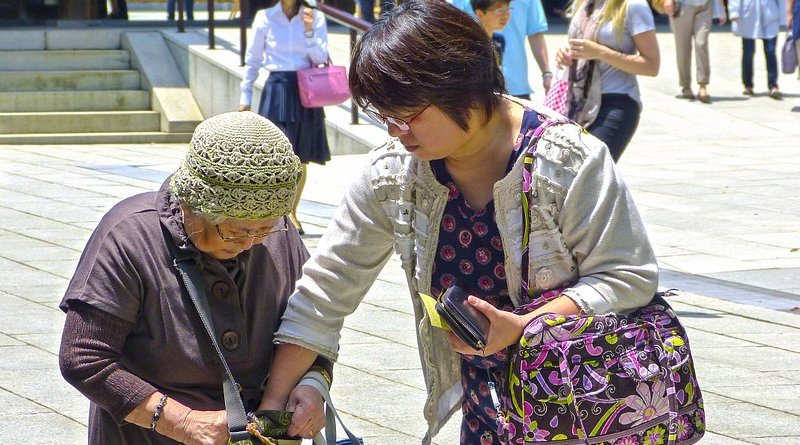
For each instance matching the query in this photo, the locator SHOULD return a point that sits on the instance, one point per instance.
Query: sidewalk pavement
(717, 186)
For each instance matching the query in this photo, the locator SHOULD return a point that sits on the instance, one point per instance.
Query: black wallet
(468, 323)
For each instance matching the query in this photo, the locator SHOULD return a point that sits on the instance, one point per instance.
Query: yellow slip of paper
(433, 315)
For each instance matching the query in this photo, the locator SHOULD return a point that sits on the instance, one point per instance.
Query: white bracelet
(309, 34)
(314, 376)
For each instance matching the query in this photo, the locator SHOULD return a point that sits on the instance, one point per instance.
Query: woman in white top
(286, 38)
(758, 19)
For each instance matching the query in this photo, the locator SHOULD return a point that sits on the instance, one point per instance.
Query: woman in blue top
(286, 38)
(611, 42)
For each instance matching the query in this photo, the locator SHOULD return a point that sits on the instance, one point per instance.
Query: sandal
(703, 95)
(686, 93)
(775, 93)
(748, 91)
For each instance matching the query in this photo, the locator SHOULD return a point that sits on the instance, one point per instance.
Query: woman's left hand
(505, 329)
(308, 18)
(309, 412)
(585, 49)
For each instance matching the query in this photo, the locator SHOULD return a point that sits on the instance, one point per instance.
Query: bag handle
(329, 62)
(184, 262)
(331, 415)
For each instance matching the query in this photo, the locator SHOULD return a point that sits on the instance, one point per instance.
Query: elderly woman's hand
(309, 412)
(205, 428)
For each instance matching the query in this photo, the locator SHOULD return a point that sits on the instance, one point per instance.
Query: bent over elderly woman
(446, 191)
(133, 342)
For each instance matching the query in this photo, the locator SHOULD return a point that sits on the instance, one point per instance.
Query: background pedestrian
(690, 21)
(285, 38)
(758, 19)
(615, 40)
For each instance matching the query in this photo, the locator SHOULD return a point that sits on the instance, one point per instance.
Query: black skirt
(305, 127)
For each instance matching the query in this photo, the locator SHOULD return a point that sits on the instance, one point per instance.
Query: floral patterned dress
(470, 252)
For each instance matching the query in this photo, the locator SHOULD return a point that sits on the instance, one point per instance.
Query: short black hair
(427, 52)
(483, 5)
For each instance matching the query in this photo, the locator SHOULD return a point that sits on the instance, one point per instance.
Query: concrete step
(85, 80)
(62, 60)
(80, 122)
(142, 137)
(43, 101)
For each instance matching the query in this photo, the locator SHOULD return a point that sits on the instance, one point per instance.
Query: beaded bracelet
(157, 413)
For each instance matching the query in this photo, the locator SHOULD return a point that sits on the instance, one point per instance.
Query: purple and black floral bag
(605, 379)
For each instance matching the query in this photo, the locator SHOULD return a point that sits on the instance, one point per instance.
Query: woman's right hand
(205, 428)
(564, 56)
(243, 107)
(669, 7)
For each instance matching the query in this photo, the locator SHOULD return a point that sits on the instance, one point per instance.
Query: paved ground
(717, 185)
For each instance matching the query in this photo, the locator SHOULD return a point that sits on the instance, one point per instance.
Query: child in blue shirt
(493, 15)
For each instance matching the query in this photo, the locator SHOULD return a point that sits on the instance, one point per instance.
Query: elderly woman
(133, 342)
(446, 190)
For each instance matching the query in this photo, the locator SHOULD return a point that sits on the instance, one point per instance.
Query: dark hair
(427, 52)
(484, 5)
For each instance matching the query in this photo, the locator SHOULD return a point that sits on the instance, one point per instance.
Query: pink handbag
(324, 85)
(557, 98)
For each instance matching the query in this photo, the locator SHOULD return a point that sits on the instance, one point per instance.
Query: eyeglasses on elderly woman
(229, 235)
(401, 124)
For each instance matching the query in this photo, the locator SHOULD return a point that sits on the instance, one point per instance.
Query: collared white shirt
(280, 44)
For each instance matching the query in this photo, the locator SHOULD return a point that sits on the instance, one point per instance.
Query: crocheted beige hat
(239, 165)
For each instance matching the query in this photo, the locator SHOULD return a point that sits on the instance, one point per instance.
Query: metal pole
(353, 105)
(181, 27)
(211, 24)
(244, 16)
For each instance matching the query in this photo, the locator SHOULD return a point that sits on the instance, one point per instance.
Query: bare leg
(300, 186)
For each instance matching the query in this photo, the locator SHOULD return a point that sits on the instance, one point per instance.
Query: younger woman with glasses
(446, 192)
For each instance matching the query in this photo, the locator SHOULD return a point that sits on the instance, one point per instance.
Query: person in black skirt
(288, 37)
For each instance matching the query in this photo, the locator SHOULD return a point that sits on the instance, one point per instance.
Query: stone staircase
(93, 90)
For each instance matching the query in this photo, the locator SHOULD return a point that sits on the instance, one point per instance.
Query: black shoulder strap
(192, 279)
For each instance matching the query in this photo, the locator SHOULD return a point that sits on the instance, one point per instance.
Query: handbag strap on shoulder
(192, 279)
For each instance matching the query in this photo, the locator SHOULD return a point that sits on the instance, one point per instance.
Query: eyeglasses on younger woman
(401, 124)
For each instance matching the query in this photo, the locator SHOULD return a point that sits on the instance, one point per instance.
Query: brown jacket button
(220, 290)
(230, 340)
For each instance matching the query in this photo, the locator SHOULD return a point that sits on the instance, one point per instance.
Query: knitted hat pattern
(239, 165)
